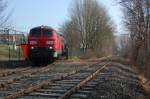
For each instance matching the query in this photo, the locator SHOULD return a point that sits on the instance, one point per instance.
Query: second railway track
(15, 71)
(60, 85)
(10, 77)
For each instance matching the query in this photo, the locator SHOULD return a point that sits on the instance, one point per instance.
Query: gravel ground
(118, 82)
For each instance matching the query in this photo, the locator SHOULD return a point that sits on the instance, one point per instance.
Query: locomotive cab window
(35, 33)
(47, 33)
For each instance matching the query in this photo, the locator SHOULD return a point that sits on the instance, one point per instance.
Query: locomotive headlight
(32, 47)
(33, 42)
(49, 42)
(50, 47)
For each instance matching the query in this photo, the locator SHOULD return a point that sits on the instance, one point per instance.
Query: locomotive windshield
(35, 33)
(47, 33)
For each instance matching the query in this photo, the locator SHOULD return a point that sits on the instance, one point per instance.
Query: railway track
(13, 76)
(68, 80)
(11, 83)
(58, 85)
(15, 71)
(10, 72)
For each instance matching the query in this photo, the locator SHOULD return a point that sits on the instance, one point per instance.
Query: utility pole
(8, 37)
(9, 43)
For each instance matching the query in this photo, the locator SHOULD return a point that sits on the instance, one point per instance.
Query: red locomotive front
(44, 43)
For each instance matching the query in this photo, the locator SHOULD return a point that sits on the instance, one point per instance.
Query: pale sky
(30, 13)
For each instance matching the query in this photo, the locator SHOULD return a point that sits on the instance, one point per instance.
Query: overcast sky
(30, 13)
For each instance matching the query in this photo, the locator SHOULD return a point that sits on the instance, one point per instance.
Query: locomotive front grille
(40, 52)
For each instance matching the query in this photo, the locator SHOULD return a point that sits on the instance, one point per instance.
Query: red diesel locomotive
(44, 43)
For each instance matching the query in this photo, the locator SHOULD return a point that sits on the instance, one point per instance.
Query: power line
(12, 29)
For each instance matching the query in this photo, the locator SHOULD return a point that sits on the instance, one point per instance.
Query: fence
(9, 44)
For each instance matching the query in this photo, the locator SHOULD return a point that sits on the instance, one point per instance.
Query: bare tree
(3, 16)
(137, 13)
(71, 36)
(92, 25)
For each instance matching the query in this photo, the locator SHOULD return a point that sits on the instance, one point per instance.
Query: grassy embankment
(4, 52)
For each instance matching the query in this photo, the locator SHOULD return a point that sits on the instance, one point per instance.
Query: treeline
(89, 28)
(137, 20)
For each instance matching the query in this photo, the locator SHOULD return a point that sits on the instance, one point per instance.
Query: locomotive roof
(43, 27)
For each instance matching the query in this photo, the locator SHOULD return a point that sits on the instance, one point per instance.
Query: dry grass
(145, 83)
(74, 58)
(144, 72)
(147, 70)
(144, 76)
